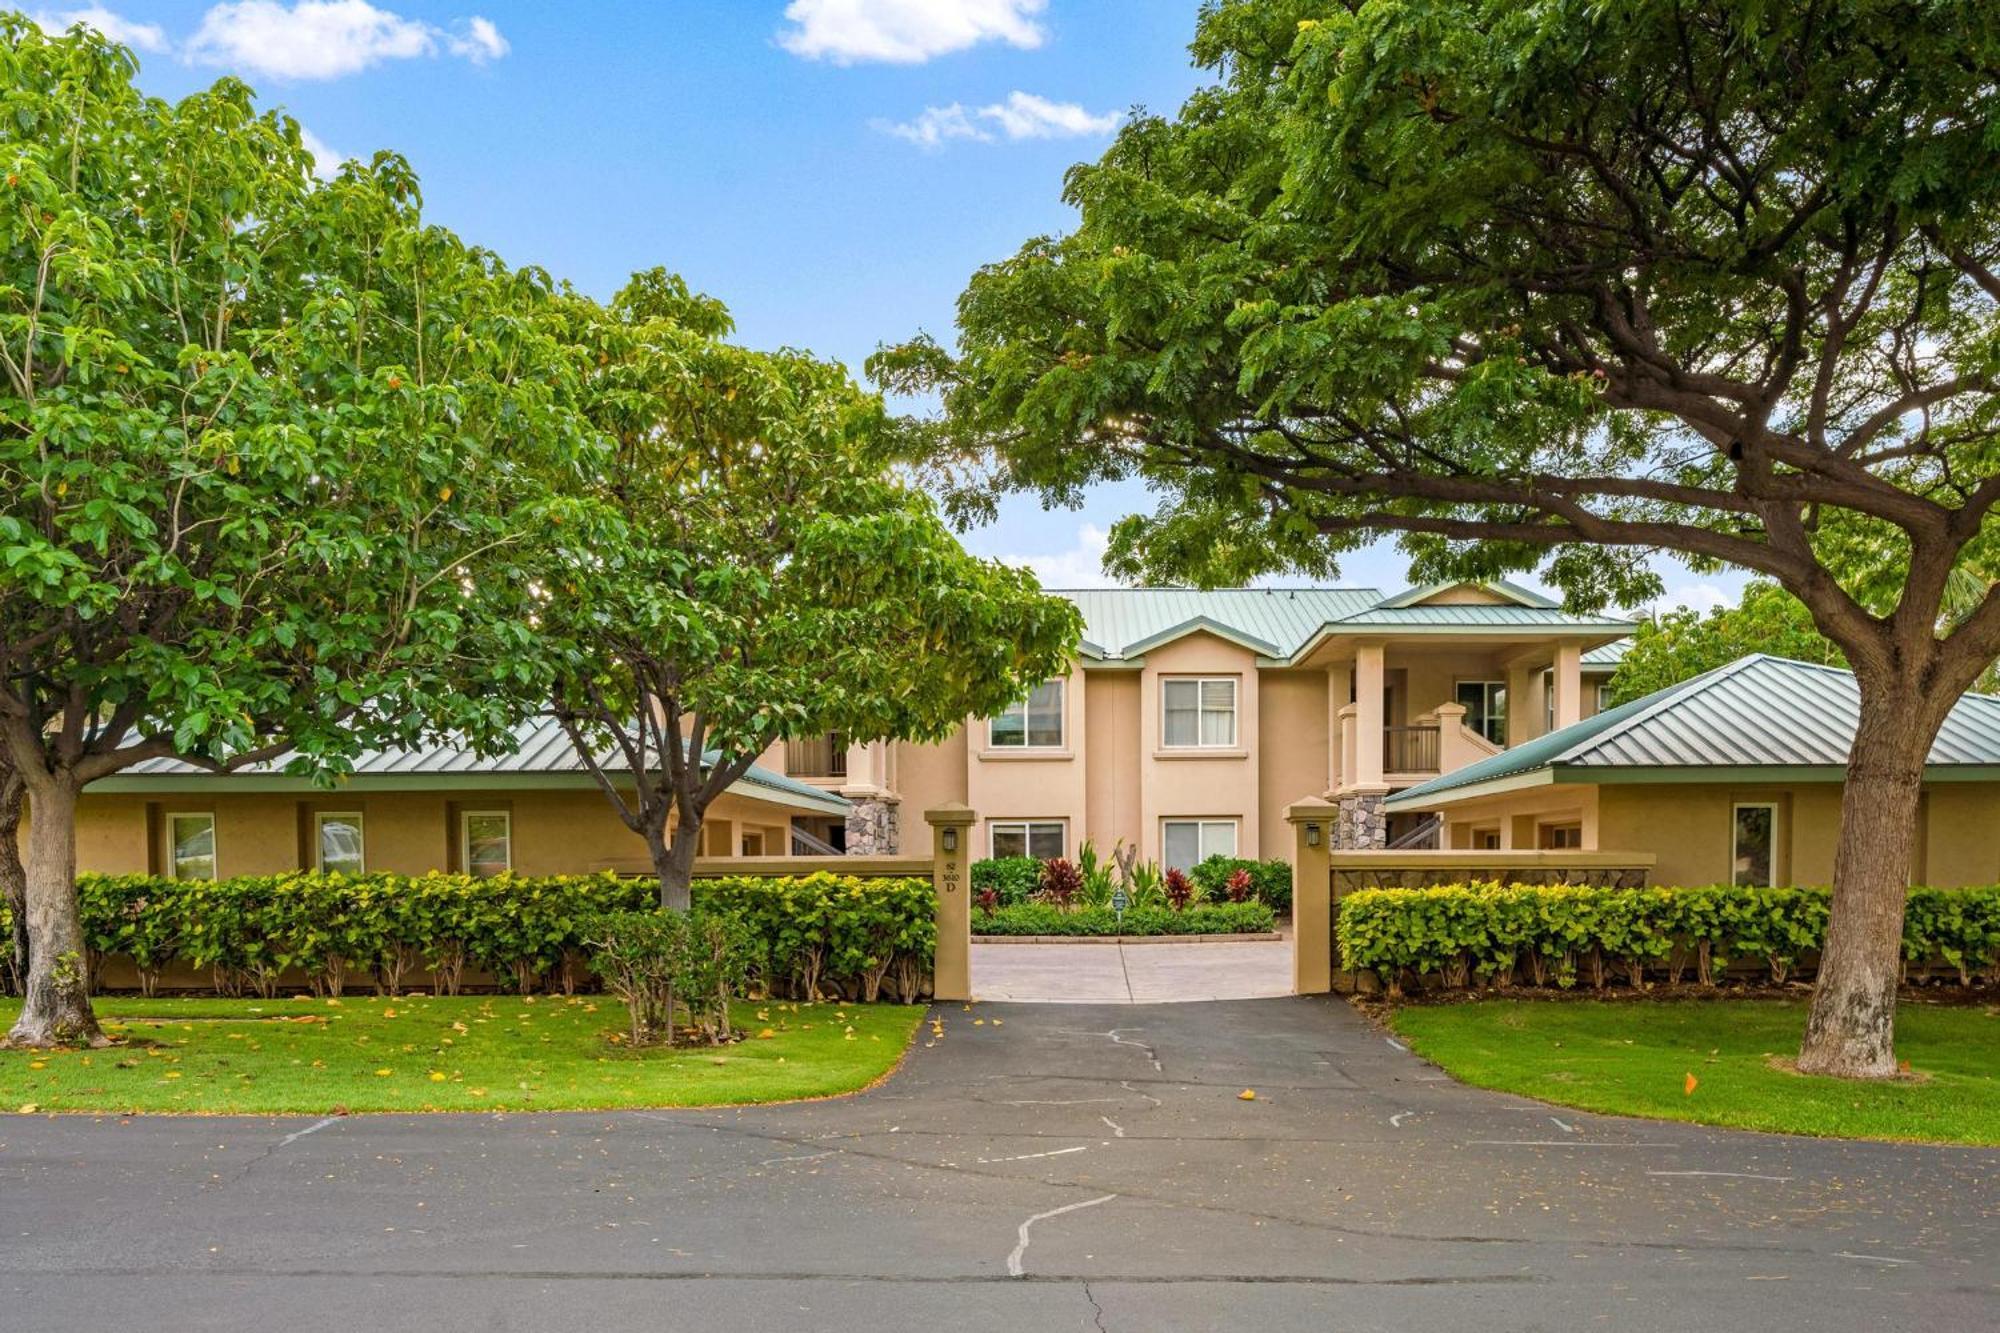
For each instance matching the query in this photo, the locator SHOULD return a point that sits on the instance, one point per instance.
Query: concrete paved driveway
(1054, 1167)
(1145, 973)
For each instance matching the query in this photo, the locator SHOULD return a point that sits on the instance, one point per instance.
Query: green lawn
(1632, 1057)
(464, 1053)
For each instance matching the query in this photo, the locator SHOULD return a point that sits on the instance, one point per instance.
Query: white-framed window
(1043, 839)
(338, 847)
(1603, 695)
(1485, 704)
(1036, 723)
(191, 846)
(1753, 844)
(1186, 843)
(486, 842)
(1198, 712)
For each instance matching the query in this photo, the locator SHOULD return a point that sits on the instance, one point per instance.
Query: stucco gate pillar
(1313, 822)
(951, 877)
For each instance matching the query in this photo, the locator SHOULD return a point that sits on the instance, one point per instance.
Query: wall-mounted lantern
(1312, 835)
(950, 839)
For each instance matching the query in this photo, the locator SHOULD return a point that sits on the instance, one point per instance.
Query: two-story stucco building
(1190, 720)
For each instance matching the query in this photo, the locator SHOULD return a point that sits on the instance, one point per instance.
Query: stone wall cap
(951, 812)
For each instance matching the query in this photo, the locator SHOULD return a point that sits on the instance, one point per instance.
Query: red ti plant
(1180, 889)
(1061, 882)
(989, 899)
(1239, 885)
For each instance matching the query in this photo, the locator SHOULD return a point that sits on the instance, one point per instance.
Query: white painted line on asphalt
(1135, 1092)
(1396, 1120)
(807, 1157)
(1117, 1130)
(1872, 1258)
(1739, 1175)
(1397, 1044)
(1014, 1268)
(290, 1139)
(1030, 1156)
(1117, 1040)
(1567, 1129)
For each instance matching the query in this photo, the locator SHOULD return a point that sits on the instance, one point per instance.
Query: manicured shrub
(1198, 919)
(1270, 881)
(255, 934)
(664, 965)
(1562, 934)
(1014, 879)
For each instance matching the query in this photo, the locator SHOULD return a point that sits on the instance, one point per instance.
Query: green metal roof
(541, 756)
(1606, 657)
(1281, 624)
(1759, 712)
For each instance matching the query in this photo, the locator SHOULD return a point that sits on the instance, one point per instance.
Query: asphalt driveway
(1050, 1167)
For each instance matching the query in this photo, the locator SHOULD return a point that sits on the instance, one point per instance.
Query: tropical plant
(1060, 883)
(1179, 889)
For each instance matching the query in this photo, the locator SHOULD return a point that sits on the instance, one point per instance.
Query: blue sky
(832, 169)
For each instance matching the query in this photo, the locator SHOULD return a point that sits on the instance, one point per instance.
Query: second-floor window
(1036, 723)
(1485, 704)
(1199, 712)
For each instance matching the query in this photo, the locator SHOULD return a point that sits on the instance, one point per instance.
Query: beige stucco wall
(1199, 784)
(1111, 780)
(1294, 753)
(929, 776)
(1688, 827)
(565, 831)
(1031, 784)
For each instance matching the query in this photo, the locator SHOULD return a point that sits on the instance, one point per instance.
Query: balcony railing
(817, 757)
(1409, 749)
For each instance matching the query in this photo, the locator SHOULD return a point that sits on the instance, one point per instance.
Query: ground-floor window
(1486, 840)
(1562, 837)
(1043, 839)
(1186, 843)
(191, 846)
(486, 844)
(337, 838)
(1753, 843)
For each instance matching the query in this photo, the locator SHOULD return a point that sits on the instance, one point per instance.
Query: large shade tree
(267, 449)
(1561, 285)
(765, 578)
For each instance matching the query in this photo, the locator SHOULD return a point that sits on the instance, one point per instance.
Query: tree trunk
(57, 1009)
(673, 862)
(14, 875)
(1850, 1031)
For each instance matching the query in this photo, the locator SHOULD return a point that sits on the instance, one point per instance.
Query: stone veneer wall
(874, 828)
(1361, 824)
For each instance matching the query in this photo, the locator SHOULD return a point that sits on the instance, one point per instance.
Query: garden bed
(1046, 920)
(1258, 937)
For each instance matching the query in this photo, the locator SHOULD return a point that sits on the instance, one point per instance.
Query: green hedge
(1012, 879)
(258, 933)
(1202, 919)
(1270, 881)
(1559, 935)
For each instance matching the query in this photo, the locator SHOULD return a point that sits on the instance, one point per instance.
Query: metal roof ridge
(1678, 693)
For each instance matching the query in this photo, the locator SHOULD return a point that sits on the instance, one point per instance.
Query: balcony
(817, 757)
(1410, 749)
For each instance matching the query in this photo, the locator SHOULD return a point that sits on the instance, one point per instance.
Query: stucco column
(1523, 724)
(1369, 681)
(1455, 746)
(951, 878)
(1567, 682)
(1344, 740)
(1312, 822)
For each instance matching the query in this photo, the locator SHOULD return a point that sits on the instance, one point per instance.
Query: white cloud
(1081, 566)
(1702, 597)
(328, 39)
(1021, 116)
(905, 32)
(115, 27)
(1026, 116)
(479, 42)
